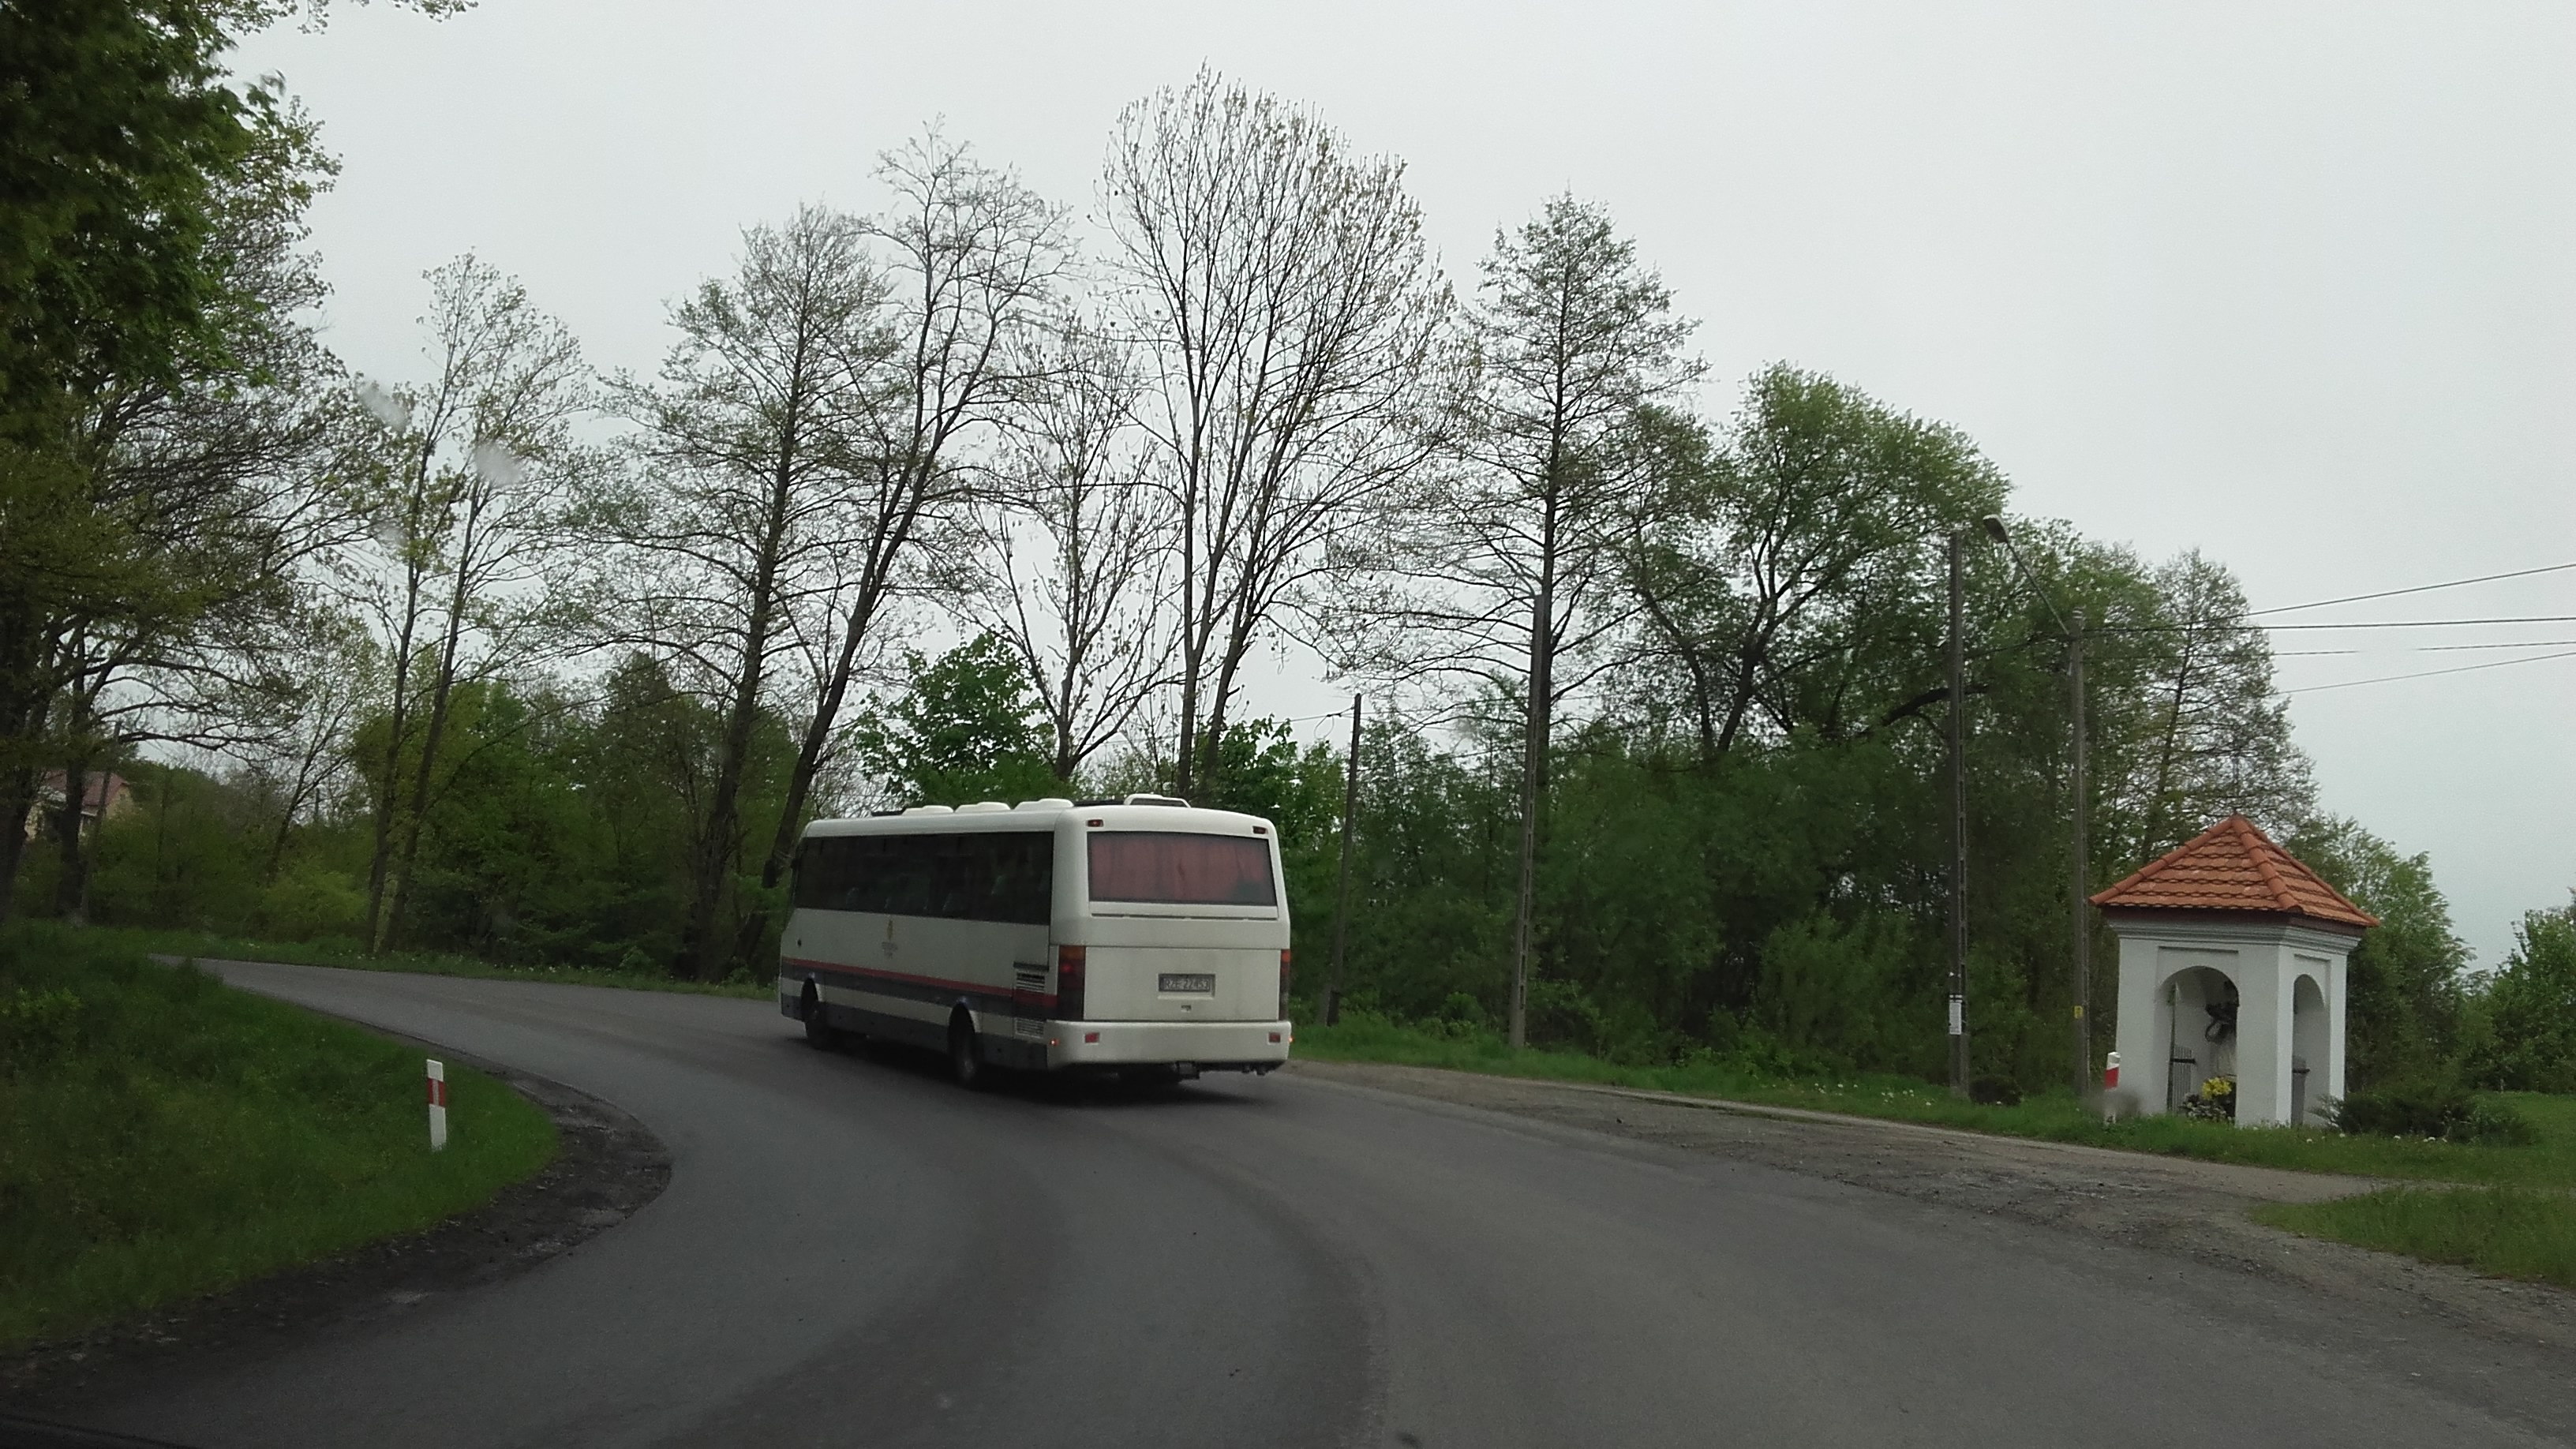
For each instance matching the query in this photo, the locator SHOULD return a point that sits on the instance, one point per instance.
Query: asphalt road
(853, 1252)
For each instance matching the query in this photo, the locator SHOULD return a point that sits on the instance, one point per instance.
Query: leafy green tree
(477, 471)
(966, 729)
(1784, 579)
(2403, 985)
(127, 155)
(2529, 1007)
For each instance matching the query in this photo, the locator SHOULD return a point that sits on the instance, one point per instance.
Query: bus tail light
(1285, 976)
(1068, 983)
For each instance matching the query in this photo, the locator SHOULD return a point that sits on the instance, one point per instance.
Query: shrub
(1560, 1014)
(2497, 1125)
(2403, 1109)
(1993, 1091)
(37, 1026)
(2442, 1110)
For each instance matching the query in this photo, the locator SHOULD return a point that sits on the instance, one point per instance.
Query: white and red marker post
(437, 1105)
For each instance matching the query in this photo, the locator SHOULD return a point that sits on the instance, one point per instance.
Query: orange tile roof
(2232, 866)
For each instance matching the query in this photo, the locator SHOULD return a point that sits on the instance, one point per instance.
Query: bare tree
(972, 258)
(479, 471)
(331, 674)
(1505, 567)
(1068, 568)
(1291, 318)
(2215, 737)
(730, 544)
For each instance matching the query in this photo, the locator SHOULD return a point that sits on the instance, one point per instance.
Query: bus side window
(854, 884)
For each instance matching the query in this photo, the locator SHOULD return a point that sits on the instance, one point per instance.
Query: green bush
(1994, 1091)
(2443, 1111)
(36, 1027)
(2494, 1124)
(2405, 1109)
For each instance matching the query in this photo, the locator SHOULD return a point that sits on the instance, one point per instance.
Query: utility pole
(2081, 962)
(2084, 1081)
(1958, 820)
(1342, 888)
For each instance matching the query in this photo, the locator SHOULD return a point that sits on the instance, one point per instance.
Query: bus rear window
(1176, 869)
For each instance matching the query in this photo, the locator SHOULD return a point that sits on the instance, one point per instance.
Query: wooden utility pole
(1958, 821)
(1342, 887)
(2084, 1078)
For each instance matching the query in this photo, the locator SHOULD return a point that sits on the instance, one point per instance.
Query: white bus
(1139, 936)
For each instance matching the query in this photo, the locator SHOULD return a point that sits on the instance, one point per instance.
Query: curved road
(852, 1251)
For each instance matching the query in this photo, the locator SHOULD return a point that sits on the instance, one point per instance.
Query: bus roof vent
(1172, 800)
(929, 810)
(982, 807)
(1048, 802)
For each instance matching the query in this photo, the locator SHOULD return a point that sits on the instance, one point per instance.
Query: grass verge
(164, 1136)
(2548, 1163)
(2511, 1232)
(208, 946)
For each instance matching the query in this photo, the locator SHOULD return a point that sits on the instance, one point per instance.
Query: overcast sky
(2291, 284)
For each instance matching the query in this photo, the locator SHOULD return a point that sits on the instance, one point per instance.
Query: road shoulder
(2179, 1206)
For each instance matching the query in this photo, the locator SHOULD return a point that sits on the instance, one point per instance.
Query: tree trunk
(17, 801)
(71, 883)
(809, 762)
(1542, 686)
(442, 695)
(398, 723)
(703, 951)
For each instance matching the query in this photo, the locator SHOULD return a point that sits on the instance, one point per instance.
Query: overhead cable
(2430, 673)
(2417, 589)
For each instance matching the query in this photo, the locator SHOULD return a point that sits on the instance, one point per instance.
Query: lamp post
(2082, 963)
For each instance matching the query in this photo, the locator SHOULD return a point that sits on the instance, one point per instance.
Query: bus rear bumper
(1208, 1045)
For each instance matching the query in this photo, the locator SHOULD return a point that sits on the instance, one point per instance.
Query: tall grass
(162, 1135)
(2513, 1232)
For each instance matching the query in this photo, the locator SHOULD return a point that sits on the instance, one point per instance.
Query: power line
(2417, 589)
(2430, 673)
(2428, 623)
(2232, 623)
(2426, 648)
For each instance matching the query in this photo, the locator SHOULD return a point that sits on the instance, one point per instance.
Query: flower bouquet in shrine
(2214, 1102)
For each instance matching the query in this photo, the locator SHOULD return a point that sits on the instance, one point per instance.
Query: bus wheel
(965, 1056)
(818, 1024)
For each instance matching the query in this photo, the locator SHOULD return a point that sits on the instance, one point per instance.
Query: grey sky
(2291, 284)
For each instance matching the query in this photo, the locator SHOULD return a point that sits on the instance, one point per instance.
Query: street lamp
(2083, 959)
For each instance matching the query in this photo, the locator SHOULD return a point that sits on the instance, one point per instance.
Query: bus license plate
(1201, 982)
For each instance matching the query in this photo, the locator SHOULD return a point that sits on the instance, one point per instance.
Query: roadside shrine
(2232, 961)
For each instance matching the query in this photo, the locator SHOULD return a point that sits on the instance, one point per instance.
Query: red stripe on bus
(975, 988)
